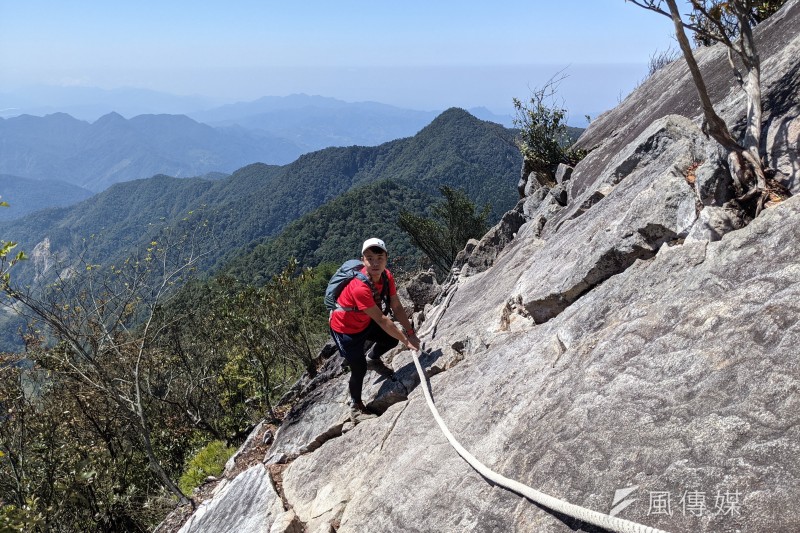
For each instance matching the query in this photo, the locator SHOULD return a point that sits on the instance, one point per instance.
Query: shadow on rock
(405, 380)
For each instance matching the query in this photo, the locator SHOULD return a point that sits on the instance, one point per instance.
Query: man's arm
(400, 314)
(410, 342)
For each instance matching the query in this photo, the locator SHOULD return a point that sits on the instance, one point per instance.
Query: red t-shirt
(358, 294)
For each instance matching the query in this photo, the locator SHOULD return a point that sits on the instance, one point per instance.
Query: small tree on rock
(454, 222)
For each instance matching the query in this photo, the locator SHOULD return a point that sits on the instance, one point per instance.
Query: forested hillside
(34, 195)
(256, 202)
(335, 231)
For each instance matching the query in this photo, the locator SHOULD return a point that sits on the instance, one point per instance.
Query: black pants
(353, 348)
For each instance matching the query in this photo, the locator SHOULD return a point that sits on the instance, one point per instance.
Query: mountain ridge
(28, 195)
(114, 149)
(257, 201)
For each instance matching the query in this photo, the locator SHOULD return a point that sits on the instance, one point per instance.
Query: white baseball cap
(369, 243)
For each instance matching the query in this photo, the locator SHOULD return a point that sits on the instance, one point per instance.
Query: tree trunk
(716, 126)
(752, 89)
(144, 428)
(744, 161)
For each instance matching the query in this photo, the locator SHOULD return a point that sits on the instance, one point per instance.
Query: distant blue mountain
(318, 122)
(484, 114)
(114, 149)
(26, 195)
(91, 103)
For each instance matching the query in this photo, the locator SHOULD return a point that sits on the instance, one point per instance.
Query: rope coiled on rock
(611, 523)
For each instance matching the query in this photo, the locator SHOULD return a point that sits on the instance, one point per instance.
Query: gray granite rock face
(248, 504)
(679, 375)
(643, 336)
(714, 222)
(423, 289)
(563, 173)
(482, 256)
(713, 181)
(322, 413)
(647, 202)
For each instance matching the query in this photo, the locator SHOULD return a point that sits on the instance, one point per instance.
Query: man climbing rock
(359, 324)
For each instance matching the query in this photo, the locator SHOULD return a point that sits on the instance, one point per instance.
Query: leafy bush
(544, 135)
(13, 519)
(209, 461)
(715, 17)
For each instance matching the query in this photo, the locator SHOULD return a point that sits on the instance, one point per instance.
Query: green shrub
(14, 519)
(544, 137)
(209, 461)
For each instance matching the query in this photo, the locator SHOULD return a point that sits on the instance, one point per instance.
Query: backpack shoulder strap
(381, 299)
(384, 296)
(363, 277)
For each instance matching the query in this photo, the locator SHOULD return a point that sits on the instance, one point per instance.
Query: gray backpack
(345, 274)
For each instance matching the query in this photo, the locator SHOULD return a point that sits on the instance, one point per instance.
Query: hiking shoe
(376, 365)
(359, 412)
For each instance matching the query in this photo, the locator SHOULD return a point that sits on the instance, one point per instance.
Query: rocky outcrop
(480, 256)
(421, 290)
(678, 376)
(643, 336)
(248, 503)
(646, 202)
(44, 259)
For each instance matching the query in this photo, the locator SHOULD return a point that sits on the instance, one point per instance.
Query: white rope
(611, 523)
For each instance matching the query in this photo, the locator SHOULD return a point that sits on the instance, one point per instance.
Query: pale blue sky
(420, 54)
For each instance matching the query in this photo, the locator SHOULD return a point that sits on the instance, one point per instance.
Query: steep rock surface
(612, 343)
(678, 375)
(248, 503)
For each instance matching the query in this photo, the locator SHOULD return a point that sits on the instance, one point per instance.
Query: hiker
(360, 328)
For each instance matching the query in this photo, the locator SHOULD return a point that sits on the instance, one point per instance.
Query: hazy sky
(421, 54)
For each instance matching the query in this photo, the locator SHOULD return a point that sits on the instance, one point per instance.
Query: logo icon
(620, 502)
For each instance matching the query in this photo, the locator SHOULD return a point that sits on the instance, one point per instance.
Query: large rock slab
(679, 376)
(320, 417)
(247, 504)
(322, 412)
(647, 202)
